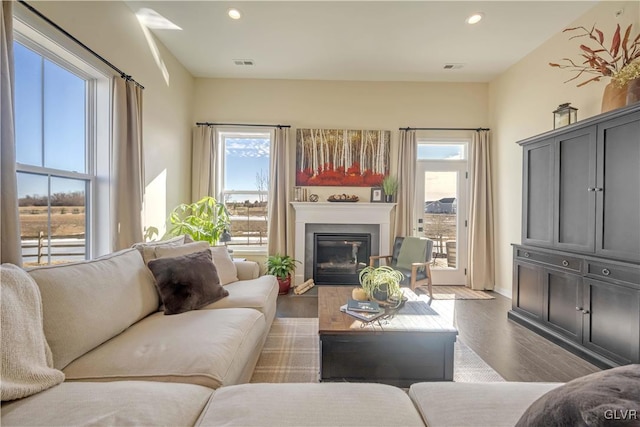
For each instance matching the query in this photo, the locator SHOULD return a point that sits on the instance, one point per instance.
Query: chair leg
(429, 283)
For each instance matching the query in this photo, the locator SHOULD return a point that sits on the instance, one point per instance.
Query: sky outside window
(51, 111)
(244, 158)
(440, 151)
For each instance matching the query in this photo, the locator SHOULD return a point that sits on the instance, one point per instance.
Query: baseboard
(504, 292)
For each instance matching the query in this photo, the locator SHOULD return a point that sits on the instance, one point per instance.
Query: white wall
(521, 103)
(111, 29)
(341, 105)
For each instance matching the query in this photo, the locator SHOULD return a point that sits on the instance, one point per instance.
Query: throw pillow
(599, 399)
(27, 363)
(147, 249)
(174, 251)
(227, 269)
(187, 282)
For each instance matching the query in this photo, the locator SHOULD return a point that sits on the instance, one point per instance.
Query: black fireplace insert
(338, 258)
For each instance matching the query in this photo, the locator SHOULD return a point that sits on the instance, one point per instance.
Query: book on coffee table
(365, 306)
(362, 315)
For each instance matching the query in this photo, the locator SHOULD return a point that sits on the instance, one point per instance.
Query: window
(244, 180)
(61, 115)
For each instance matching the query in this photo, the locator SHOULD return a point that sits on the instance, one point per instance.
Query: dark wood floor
(513, 351)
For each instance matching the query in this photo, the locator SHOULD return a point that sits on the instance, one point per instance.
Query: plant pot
(388, 198)
(381, 294)
(633, 91)
(284, 285)
(614, 97)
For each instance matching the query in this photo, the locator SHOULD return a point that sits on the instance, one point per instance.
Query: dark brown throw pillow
(187, 282)
(607, 398)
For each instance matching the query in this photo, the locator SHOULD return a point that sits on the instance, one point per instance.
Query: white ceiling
(359, 40)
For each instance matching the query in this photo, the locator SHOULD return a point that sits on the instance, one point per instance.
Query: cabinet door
(527, 295)
(563, 303)
(575, 201)
(537, 209)
(611, 321)
(618, 185)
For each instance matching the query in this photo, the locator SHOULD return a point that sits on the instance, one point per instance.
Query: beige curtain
(481, 243)
(10, 249)
(127, 164)
(280, 231)
(407, 155)
(204, 151)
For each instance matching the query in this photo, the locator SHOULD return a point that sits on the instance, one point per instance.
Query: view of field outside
(53, 224)
(440, 216)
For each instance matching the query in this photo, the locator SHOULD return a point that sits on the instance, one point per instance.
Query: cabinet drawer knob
(578, 308)
(591, 189)
(597, 189)
(565, 263)
(526, 255)
(585, 311)
(605, 272)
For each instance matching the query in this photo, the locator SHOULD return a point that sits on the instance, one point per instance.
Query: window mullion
(42, 112)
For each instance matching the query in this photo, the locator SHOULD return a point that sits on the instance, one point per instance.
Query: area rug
(455, 292)
(291, 355)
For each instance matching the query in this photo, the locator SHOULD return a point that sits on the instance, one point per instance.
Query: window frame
(222, 134)
(47, 42)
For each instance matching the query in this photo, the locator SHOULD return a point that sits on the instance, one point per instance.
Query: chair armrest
(372, 258)
(247, 270)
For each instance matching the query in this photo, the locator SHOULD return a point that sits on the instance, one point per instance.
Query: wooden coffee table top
(415, 316)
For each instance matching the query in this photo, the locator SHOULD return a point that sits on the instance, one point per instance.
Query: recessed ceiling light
(234, 14)
(475, 18)
(152, 19)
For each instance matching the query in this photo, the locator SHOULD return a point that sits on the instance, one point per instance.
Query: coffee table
(415, 344)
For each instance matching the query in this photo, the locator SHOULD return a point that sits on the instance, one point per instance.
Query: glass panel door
(441, 194)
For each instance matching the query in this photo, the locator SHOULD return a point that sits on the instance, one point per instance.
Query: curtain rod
(475, 129)
(241, 124)
(87, 48)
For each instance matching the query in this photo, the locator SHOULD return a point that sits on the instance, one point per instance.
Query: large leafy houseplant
(379, 280)
(601, 58)
(204, 220)
(282, 266)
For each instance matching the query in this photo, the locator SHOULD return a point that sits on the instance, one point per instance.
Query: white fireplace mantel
(340, 213)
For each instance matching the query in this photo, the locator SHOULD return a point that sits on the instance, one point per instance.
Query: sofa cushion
(247, 270)
(205, 347)
(475, 404)
(593, 400)
(26, 361)
(87, 303)
(260, 293)
(110, 404)
(187, 282)
(327, 404)
(226, 267)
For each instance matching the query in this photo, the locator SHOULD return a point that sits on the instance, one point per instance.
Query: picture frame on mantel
(377, 195)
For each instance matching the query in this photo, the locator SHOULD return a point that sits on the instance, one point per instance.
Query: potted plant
(603, 60)
(204, 220)
(282, 266)
(381, 283)
(389, 186)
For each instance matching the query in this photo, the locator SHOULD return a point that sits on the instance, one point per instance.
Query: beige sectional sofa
(126, 363)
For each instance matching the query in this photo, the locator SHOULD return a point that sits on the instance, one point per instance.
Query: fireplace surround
(328, 218)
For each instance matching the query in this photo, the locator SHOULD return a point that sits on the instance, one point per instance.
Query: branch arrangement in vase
(620, 61)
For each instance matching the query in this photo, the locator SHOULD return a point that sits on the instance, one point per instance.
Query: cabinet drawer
(602, 270)
(570, 263)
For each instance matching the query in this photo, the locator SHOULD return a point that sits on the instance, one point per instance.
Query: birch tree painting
(340, 157)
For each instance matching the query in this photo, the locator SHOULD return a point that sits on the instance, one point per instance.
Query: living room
(516, 104)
